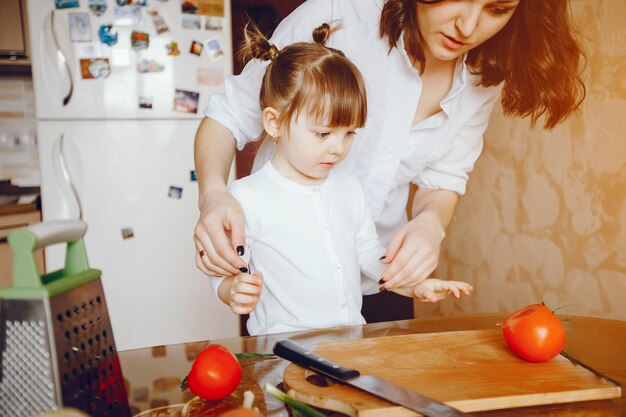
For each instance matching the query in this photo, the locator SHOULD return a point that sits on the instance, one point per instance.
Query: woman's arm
(220, 229)
(413, 252)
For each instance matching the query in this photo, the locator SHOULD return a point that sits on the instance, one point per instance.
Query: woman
(433, 71)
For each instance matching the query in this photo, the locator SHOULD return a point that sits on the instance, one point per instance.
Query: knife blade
(288, 349)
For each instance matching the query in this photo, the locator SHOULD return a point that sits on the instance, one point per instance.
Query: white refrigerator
(119, 88)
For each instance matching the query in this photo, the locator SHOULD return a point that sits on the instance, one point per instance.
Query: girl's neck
(282, 165)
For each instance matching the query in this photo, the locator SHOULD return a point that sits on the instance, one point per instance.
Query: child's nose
(337, 147)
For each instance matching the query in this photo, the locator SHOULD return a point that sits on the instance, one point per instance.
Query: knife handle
(295, 353)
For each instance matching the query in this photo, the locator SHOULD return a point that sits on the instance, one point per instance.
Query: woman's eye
(499, 11)
(351, 133)
(322, 134)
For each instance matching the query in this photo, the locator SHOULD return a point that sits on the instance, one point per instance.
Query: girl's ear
(270, 121)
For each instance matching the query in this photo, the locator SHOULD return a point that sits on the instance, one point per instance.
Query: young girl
(309, 233)
(433, 71)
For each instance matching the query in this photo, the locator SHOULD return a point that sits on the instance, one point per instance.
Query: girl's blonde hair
(309, 77)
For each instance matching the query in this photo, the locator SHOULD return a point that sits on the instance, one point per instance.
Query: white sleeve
(237, 108)
(239, 191)
(369, 247)
(451, 170)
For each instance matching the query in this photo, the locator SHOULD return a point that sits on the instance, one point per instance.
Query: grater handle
(49, 233)
(25, 241)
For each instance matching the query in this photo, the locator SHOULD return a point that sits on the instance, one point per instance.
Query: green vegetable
(301, 408)
(253, 355)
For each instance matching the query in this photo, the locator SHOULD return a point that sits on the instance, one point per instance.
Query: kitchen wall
(544, 218)
(18, 150)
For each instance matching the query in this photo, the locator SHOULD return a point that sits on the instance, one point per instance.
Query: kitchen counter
(154, 374)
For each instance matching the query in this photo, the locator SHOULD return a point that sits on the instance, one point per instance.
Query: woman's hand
(245, 292)
(219, 231)
(413, 253)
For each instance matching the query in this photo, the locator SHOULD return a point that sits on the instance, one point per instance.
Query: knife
(371, 384)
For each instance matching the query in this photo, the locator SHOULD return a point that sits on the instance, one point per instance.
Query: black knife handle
(295, 353)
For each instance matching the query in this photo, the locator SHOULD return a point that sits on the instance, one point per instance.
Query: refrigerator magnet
(149, 65)
(139, 40)
(106, 36)
(214, 49)
(159, 23)
(92, 68)
(189, 6)
(127, 16)
(213, 23)
(172, 48)
(196, 48)
(159, 352)
(191, 21)
(127, 233)
(145, 103)
(65, 4)
(80, 28)
(186, 101)
(192, 176)
(132, 2)
(211, 7)
(210, 76)
(175, 193)
(98, 7)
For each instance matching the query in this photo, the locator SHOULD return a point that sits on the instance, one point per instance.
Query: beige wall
(544, 217)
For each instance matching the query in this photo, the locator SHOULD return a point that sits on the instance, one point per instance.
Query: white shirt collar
(278, 178)
(459, 80)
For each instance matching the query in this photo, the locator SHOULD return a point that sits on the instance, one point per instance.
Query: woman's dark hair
(536, 55)
(310, 77)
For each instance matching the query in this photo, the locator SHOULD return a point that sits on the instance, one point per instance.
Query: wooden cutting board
(469, 370)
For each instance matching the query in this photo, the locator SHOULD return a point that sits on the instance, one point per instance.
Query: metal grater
(56, 344)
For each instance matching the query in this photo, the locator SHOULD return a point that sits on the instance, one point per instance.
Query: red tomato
(214, 374)
(534, 333)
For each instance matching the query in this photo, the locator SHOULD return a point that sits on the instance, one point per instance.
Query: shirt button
(326, 226)
(344, 305)
(338, 267)
(316, 189)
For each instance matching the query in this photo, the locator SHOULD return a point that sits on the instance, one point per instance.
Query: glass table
(153, 375)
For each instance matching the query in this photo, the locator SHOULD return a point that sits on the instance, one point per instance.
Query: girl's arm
(241, 292)
(433, 290)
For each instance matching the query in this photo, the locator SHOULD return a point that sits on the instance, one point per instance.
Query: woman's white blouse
(390, 152)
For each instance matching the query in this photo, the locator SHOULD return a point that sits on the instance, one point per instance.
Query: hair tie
(274, 52)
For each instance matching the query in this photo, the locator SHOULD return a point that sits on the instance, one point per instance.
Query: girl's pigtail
(256, 45)
(322, 33)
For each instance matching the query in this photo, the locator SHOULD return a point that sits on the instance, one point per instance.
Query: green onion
(301, 408)
(253, 355)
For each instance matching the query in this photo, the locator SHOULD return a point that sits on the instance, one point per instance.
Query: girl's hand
(245, 292)
(219, 231)
(433, 290)
(413, 253)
